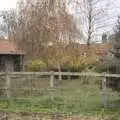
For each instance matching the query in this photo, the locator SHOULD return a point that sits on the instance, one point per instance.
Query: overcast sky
(7, 4)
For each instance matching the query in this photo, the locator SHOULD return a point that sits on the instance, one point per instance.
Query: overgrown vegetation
(68, 97)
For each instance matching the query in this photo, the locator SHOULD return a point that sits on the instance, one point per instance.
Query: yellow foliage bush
(82, 62)
(36, 65)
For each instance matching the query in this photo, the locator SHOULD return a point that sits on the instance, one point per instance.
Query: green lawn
(69, 96)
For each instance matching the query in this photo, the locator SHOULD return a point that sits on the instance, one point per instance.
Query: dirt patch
(40, 116)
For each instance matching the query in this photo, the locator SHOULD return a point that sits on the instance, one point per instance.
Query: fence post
(104, 94)
(8, 91)
(59, 73)
(52, 79)
(52, 85)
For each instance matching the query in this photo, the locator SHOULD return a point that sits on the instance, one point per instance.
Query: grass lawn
(68, 97)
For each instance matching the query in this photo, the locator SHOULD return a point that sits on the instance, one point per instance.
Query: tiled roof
(99, 48)
(9, 47)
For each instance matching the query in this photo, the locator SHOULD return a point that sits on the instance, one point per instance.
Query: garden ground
(69, 97)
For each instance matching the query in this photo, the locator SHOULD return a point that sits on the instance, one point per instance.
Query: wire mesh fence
(44, 92)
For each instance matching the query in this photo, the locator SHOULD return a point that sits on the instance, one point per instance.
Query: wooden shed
(11, 57)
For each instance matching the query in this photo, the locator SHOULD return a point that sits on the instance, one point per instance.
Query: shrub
(36, 65)
(82, 63)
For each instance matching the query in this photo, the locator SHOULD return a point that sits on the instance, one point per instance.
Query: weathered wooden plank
(52, 80)
(8, 91)
(104, 93)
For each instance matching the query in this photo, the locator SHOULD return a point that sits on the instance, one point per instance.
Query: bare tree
(9, 23)
(92, 13)
(104, 38)
(43, 22)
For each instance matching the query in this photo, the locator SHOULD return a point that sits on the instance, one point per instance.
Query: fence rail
(62, 74)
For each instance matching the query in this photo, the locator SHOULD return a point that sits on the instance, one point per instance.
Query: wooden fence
(51, 79)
